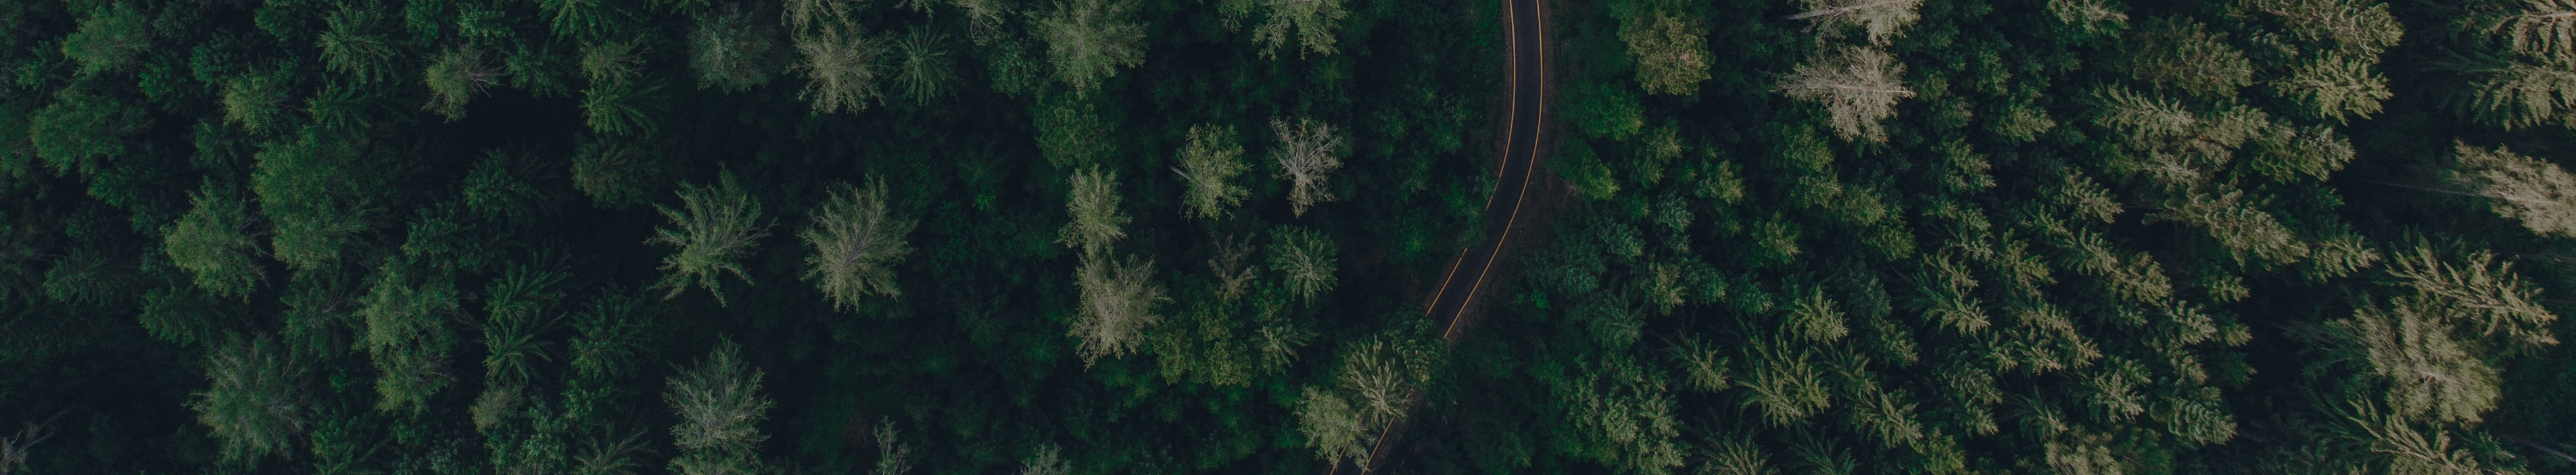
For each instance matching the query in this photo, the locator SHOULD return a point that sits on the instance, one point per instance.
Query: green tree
(1671, 50)
(714, 229)
(213, 244)
(2541, 28)
(923, 66)
(720, 408)
(1308, 154)
(353, 46)
(1088, 40)
(2334, 87)
(406, 332)
(730, 50)
(254, 407)
(79, 129)
(315, 196)
(856, 242)
(1783, 384)
(1858, 88)
(110, 38)
(1304, 258)
(1209, 164)
(2478, 291)
(2178, 54)
(1313, 23)
(455, 78)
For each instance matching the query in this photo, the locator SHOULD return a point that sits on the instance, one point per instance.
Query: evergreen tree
(1209, 164)
(1304, 259)
(1309, 151)
(717, 227)
(1093, 204)
(1858, 88)
(1878, 20)
(720, 406)
(1088, 40)
(855, 243)
(212, 243)
(254, 407)
(2539, 194)
(1314, 24)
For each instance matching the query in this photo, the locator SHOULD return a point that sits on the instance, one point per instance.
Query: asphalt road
(1472, 272)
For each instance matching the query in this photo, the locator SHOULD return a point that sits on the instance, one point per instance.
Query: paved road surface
(1471, 273)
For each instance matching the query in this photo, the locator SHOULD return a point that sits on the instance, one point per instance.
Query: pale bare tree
(1313, 22)
(2539, 194)
(1233, 274)
(1088, 40)
(1209, 164)
(2542, 28)
(716, 228)
(1309, 151)
(1093, 204)
(841, 66)
(1878, 20)
(856, 243)
(1118, 299)
(720, 409)
(1857, 86)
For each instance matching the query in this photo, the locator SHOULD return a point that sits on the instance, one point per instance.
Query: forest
(1197, 236)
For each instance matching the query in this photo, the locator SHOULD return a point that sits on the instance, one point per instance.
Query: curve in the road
(1525, 33)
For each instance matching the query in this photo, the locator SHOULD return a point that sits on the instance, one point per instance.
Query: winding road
(1469, 273)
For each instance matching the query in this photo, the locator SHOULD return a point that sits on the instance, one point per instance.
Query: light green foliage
(1092, 202)
(856, 242)
(923, 66)
(2246, 234)
(1305, 260)
(720, 408)
(254, 407)
(519, 310)
(1858, 87)
(2335, 88)
(730, 50)
(1332, 427)
(455, 78)
(842, 67)
(1622, 415)
(1782, 384)
(613, 173)
(714, 229)
(2516, 95)
(1118, 300)
(611, 61)
(2540, 28)
(1308, 154)
(2180, 55)
(310, 187)
(1209, 164)
(2093, 17)
(1313, 22)
(108, 38)
(1377, 379)
(1088, 40)
(1703, 369)
(212, 243)
(79, 129)
(406, 313)
(621, 106)
(2538, 194)
(2397, 445)
(1671, 50)
(2486, 296)
(1813, 317)
(2291, 154)
(1878, 20)
(610, 329)
(354, 46)
(254, 101)
(1047, 460)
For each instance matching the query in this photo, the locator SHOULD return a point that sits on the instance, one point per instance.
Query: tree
(212, 244)
(2538, 194)
(2542, 28)
(1088, 40)
(109, 38)
(1093, 205)
(841, 68)
(1671, 50)
(1783, 384)
(1309, 151)
(78, 129)
(1703, 369)
(2476, 290)
(720, 409)
(1305, 260)
(1208, 167)
(254, 406)
(455, 78)
(1878, 20)
(1313, 21)
(716, 228)
(1857, 86)
(406, 332)
(856, 242)
(1378, 377)
(730, 51)
(254, 101)
(2516, 94)
(1332, 427)
(924, 65)
(1118, 299)
(314, 195)
(2178, 55)
(2428, 374)
(2335, 87)
(352, 45)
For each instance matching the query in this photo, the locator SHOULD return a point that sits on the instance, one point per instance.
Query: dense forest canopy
(1149, 236)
